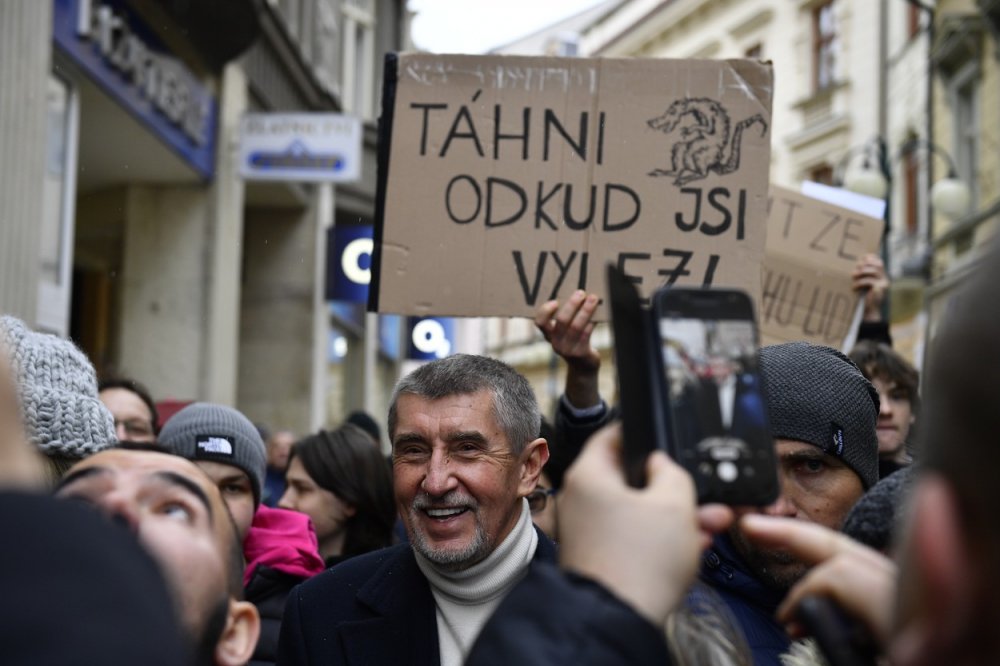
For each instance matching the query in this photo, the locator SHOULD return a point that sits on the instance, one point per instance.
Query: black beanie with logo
(818, 396)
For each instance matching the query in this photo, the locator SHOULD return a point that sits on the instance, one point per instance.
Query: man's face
(895, 415)
(133, 420)
(458, 486)
(278, 449)
(177, 514)
(236, 490)
(814, 487)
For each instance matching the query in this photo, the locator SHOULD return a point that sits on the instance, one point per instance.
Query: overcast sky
(475, 26)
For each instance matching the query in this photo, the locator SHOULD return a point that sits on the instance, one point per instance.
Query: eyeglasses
(539, 498)
(135, 427)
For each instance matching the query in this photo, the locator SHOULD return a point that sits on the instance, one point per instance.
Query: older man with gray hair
(466, 453)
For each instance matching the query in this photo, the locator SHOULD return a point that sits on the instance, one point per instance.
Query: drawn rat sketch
(703, 144)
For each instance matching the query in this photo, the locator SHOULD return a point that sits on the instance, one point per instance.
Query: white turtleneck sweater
(466, 599)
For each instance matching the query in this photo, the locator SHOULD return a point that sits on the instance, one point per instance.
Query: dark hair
(878, 360)
(139, 390)
(344, 462)
(366, 422)
(514, 406)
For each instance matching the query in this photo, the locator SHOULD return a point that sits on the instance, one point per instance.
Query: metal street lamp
(950, 195)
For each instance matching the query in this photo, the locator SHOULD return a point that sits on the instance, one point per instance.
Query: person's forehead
(149, 464)
(448, 410)
(218, 470)
(793, 446)
(120, 398)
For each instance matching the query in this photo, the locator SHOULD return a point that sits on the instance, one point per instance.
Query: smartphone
(640, 395)
(714, 394)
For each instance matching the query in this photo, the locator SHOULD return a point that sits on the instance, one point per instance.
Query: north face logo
(215, 445)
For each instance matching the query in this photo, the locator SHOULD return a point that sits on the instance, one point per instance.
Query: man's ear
(533, 459)
(934, 610)
(239, 638)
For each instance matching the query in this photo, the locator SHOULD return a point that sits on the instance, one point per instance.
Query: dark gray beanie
(818, 396)
(57, 388)
(874, 519)
(204, 431)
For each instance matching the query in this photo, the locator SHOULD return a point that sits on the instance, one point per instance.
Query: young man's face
(234, 486)
(458, 485)
(176, 512)
(814, 487)
(895, 416)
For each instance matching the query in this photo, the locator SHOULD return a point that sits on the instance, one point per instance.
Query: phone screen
(717, 411)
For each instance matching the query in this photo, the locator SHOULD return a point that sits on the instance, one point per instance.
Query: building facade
(125, 223)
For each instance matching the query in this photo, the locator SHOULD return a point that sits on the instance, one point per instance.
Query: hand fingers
(565, 314)
(543, 316)
(808, 542)
(714, 518)
(582, 317)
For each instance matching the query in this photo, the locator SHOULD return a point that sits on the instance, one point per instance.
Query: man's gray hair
(514, 406)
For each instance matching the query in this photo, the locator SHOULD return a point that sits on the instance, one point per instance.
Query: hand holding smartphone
(689, 385)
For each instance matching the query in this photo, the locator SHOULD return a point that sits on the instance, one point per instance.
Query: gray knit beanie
(204, 431)
(875, 517)
(57, 389)
(818, 396)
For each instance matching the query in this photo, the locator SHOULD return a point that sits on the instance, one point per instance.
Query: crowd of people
(494, 536)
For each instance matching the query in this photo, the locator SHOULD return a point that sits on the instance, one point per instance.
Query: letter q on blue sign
(430, 338)
(350, 263)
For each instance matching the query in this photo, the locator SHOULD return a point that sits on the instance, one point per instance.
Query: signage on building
(127, 60)
(513, 180)
(304, 147)
(430, 337)
(349, 263)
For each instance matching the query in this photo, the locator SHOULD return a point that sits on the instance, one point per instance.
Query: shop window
(826, 43)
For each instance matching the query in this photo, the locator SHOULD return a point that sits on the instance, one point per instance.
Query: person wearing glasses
(132, 406)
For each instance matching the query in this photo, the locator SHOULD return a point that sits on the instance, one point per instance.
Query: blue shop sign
(349, 262)
(431, 337)
(126, 59)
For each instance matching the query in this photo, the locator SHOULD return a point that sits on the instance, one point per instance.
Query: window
(825, 45)
(358, 60)
(913, 20)
(911, 190)
(963, 89)
(822, 174)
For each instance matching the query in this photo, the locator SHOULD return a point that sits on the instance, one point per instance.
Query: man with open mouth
(466, 453)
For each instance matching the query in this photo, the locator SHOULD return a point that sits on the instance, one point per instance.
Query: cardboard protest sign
(507, 181)
(812, 248)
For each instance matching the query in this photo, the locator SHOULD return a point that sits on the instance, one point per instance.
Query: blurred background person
(279, 446)
(342, 483)
(132, 406)
(366, 422)
(897, 383)
(57, 392)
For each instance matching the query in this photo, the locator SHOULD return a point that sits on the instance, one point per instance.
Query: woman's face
(329, 513)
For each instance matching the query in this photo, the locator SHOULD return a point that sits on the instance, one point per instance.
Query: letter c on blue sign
(350, 260)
